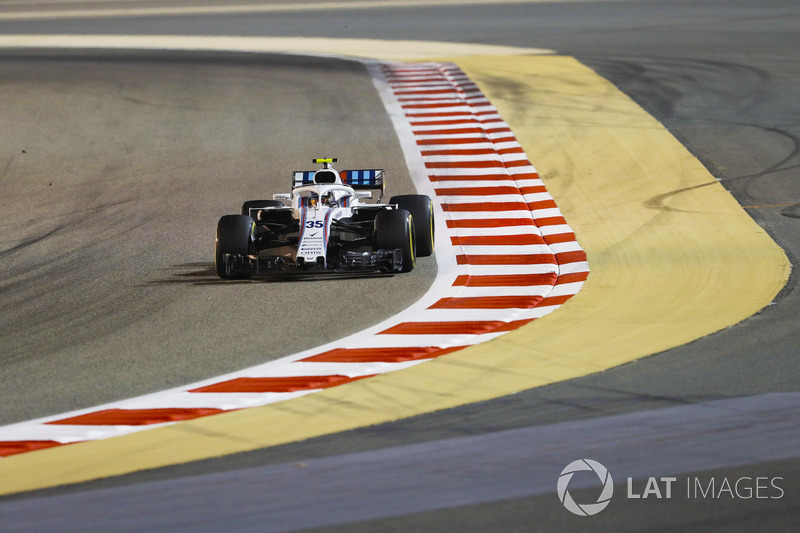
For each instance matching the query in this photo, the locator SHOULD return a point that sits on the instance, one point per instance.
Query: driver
(329, 199)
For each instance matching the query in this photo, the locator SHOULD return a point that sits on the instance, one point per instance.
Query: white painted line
(506, 230)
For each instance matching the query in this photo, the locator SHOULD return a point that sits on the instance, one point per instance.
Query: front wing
(239, 265)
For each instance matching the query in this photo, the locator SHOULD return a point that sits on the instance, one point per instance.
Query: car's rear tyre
(421, 209)
(234, 236)
(394, 229)
(259, 204)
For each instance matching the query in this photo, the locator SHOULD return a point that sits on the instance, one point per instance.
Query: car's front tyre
(421, 209)
(235, 235)
(394, 230)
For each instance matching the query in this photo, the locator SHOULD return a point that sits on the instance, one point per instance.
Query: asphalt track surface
(722, 78)
(111, 290)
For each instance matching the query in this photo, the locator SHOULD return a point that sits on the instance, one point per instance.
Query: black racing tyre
(394, 229)
(421, 209)
(234, 236)
(259, 204)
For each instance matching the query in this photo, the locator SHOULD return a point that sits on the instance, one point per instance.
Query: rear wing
(364, 179)
(302, 177)
(371, 179)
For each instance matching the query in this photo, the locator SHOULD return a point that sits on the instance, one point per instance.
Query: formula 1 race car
(324, 225)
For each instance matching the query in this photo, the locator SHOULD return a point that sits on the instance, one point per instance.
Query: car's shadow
(206, 274)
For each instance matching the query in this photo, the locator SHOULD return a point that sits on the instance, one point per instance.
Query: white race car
(325, 225)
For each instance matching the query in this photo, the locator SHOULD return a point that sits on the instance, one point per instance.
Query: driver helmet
(329, 199)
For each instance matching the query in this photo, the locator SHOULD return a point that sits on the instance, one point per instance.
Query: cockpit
(327, 197)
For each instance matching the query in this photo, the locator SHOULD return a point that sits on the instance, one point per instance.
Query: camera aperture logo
(664, 487)
(585, 509)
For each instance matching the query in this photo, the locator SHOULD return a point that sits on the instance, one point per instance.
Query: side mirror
(364, 194)
(282, 196)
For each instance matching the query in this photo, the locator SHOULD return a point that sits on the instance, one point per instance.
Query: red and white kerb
(505, 257)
